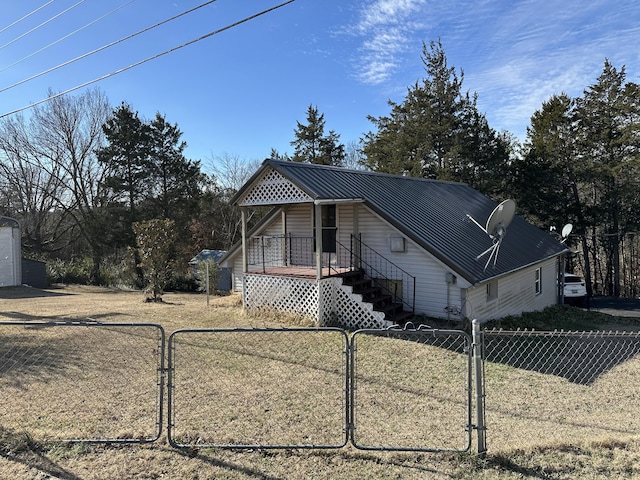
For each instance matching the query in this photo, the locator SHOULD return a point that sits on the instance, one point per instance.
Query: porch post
(355, 262)
(318, 226)
(283, 247)
(318, 212)
(245, 262)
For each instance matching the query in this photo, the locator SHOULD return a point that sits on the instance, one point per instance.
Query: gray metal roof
(432, 213)
(9, 222)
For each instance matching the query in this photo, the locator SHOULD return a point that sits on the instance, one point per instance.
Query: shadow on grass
(24, 358)
(27, 317)
(580, 357)
(218, 463)
(21, 448)
(505, 464)
(29, 292)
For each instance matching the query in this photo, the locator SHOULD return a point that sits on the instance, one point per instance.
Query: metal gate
(82, 381)
(418, 397)
(258, 388)
(237, 388)
(316, 388)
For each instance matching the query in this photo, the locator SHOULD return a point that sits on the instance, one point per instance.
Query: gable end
(273, 189)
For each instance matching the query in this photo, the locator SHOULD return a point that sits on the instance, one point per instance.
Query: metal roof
(432, 213)
(206, 254)
(9, 222)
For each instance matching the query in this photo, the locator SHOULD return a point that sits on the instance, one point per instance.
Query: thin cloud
(387, 28)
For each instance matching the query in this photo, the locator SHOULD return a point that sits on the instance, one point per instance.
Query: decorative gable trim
(273, 189)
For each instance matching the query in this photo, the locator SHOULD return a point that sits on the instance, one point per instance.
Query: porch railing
(273, 251)
(391, 279)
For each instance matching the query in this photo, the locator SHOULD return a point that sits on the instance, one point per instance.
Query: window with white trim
(538, 281)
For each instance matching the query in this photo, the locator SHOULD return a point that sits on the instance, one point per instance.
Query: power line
(67, 36)
(26, 16)
(104, 47)
(42, 24)
(95, 80)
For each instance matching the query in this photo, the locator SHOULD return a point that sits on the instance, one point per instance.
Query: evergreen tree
(313, 146)
(547, 178)
(127, 158)
(176, 180)
(608, 144)
(437, 131)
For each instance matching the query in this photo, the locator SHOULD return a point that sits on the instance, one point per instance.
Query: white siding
(300, 220)
(516, 294)
(433, 294)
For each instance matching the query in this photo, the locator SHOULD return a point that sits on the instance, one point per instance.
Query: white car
(575, 290)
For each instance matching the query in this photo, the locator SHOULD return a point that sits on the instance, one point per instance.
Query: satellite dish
(566, 231)
(496, 228)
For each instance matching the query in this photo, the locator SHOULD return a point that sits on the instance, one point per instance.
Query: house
(223, 276)
(363, 249)
(10, 253)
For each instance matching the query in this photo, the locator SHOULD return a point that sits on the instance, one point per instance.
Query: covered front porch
(306, 257)
(352, 286)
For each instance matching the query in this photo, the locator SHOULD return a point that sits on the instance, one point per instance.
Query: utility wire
(67, 36)
(95, 80)
(104, 47)
(26, 16)
(42, 24)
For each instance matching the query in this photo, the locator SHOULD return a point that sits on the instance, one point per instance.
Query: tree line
(79, 174)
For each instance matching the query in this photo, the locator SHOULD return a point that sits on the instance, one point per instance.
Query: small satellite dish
(496, 228)
(566, 231)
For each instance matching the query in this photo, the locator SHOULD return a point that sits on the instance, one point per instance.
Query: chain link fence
(250, 388)
(317, 388)
(81, 381)
(543, 388)
(411, 390)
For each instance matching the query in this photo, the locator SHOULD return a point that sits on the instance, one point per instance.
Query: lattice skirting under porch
(348, 310)
(339, 306)
(294, 295)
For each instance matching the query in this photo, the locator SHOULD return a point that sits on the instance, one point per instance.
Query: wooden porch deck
(298, 271)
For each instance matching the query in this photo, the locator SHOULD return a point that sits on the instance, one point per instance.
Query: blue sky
(240, 92)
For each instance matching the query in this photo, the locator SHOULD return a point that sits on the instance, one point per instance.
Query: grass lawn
(536, 438)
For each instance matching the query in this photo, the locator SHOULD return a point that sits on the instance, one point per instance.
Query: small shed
(10, 253)
(34, 273)
(224, 274)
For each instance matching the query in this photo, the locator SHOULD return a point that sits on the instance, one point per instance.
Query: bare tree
(354, 157)
(230, 171)
(220, 225)
(30, 192)
(51, 165)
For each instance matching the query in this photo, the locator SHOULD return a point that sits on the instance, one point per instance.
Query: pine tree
(313, 146)
(437, 131)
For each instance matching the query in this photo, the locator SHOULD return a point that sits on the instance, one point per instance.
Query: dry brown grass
(584, 432)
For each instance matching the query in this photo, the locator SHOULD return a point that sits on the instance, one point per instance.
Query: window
(329, 228)
(492, 290)
(538, 281)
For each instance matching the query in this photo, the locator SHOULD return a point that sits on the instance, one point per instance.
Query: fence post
(479, 377)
